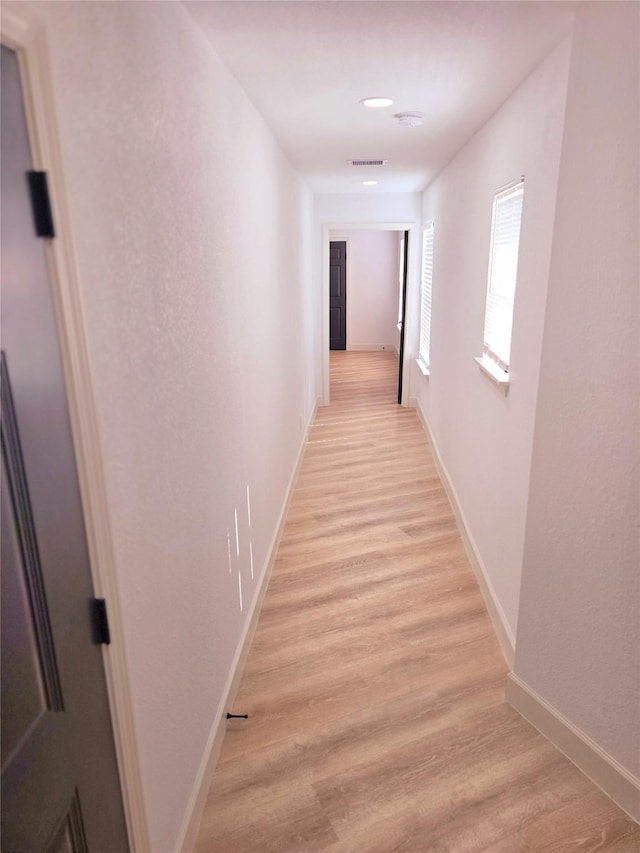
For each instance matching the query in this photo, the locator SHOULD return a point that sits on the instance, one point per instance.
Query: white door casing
(327, 228)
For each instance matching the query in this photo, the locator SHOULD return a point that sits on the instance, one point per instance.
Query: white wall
(579, 626)
(361, 208)
(372, 288)
(485, 438)
(193, 244)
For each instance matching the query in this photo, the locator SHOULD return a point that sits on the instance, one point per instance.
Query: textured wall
(484, 437)
(579, 627)
(193, 243)
(372, 287)
(360, 208)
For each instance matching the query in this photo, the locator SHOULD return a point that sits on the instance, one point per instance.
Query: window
(425, 298)
(503, 268)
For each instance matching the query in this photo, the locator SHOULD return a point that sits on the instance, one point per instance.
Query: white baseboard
(193, 815)
(371, 347)
(620, 785)
(616, 782)
(494, 608)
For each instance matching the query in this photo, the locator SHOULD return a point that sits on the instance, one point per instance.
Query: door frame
(413, 228)
(23, 33)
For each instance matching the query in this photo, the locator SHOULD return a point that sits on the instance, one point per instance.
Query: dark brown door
(404, 265)
(337, 295)
(60, 786)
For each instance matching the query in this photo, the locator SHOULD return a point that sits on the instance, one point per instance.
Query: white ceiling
(307, 64)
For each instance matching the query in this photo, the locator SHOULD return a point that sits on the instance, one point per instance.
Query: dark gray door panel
(60, 784)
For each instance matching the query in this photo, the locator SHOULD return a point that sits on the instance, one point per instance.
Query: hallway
(374, 684)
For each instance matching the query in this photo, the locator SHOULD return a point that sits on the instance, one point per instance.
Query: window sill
(495, 373)
(423, 368)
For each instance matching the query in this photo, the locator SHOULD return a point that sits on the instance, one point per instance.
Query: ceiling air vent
(367, 162)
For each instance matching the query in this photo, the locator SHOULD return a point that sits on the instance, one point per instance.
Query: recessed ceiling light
(376, 102)
(369, 183)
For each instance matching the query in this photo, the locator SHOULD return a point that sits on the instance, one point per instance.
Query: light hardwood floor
(375, 685)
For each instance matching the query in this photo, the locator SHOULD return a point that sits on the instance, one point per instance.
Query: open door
(60, 782)
(404, 261)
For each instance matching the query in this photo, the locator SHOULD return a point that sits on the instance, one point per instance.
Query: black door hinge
(41, 204)
(101, 633)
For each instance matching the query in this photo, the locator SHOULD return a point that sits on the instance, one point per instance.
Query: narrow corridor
(374, 684)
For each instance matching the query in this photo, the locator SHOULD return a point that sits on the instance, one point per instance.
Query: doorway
(60, 780)
(367, 283)
(335, 232)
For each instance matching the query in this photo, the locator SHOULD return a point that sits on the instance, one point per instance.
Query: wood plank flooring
(375, 685)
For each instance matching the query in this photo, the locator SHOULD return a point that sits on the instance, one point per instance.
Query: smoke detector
(409, 119)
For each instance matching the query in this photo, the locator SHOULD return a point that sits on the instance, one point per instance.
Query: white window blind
(425, 295)
(503, 268)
